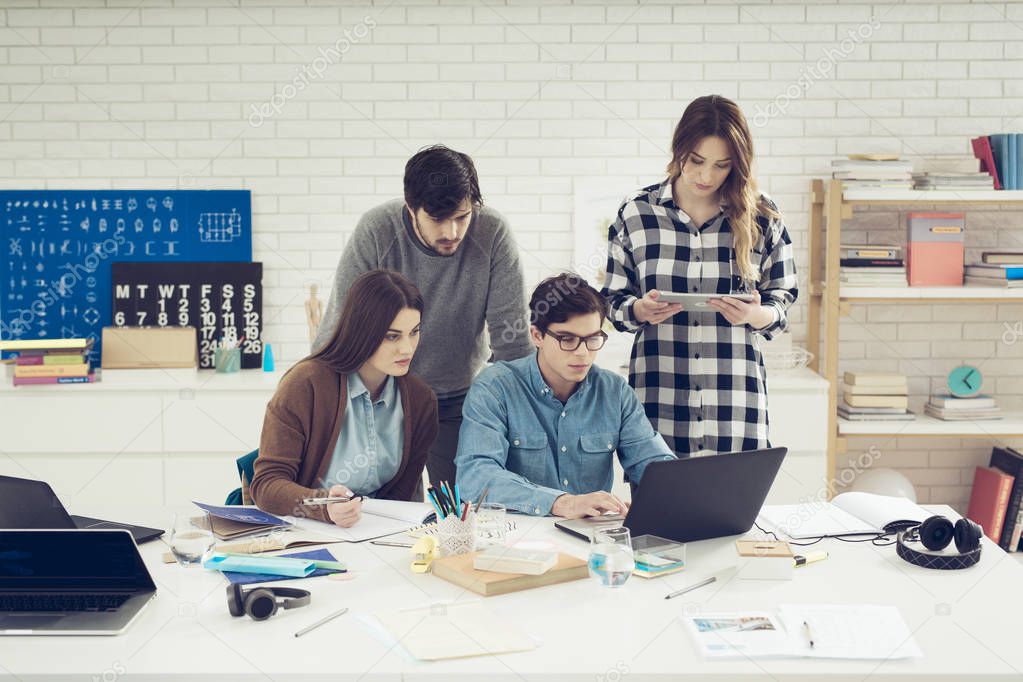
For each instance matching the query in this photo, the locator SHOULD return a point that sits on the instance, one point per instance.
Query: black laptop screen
(63, 559)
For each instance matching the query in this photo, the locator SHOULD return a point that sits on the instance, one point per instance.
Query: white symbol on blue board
(90, 316)
(120, 226)
(168, 203)
(220, 227)
(65, 247)
(90, 297)
(132, 204)
(173, 224)
(118, 204)
(157, 225)
(15, 247)
(139, 226)
(105, 203)
(102, 224)
(85, 223)
(90, 282)
(151, 204)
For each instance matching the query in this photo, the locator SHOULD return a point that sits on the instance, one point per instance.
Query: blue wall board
(58, 246)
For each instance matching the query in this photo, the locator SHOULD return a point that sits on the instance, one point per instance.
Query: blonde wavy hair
(717, 116)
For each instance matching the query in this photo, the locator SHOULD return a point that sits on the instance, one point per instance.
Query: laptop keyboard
(50, 603)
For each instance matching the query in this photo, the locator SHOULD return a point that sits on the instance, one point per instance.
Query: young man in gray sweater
(462, 257)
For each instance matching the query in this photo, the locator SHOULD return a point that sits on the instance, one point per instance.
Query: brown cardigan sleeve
(424, 425)
(283, 446)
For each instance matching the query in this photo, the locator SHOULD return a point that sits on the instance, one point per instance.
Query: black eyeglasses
(570, 342)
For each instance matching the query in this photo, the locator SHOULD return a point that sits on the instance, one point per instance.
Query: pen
(809, 558)
(384, 543)
(482, 497)
(435, 500)
(321, 622)
(448, 497)
(317, 501)
(692, 587)
(458, 499)
(809, 635)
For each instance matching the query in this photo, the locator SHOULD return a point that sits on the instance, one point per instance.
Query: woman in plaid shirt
(705, 229)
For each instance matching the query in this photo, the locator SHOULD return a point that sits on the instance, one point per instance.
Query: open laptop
(25, 503)
(71, 582)
(695, 498)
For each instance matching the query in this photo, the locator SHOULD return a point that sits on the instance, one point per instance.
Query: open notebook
(379, 518)
(847, 514)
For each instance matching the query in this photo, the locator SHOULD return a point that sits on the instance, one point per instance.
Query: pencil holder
(456, 536)
(227, 359)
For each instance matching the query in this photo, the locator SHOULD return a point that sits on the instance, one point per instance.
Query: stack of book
(50, 361)
(952, 408)
(873, 171)
(996, 501)
(959, 182)
(870, 396)
(1001, 156)
(872, 266)
(998, 269)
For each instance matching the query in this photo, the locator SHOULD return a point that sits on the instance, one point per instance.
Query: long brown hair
(371, 305)
(717, 116)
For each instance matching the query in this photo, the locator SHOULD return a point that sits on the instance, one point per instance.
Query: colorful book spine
(989, 500)
(1011, 462)
(30, 381)
(79, 370)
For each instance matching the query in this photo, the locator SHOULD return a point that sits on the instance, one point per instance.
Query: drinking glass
(611, 560)
(190, 542)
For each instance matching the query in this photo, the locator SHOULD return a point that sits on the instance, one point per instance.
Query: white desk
(964, 622)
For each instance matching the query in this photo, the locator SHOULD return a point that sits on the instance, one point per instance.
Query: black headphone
(261, 602)
(935, 534)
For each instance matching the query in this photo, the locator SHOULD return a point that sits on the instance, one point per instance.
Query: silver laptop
(71, 582)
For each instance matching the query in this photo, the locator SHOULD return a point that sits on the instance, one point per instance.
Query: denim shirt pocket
(528, 453)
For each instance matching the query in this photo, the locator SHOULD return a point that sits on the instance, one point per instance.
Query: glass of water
(611, 560)
(491, 525)
(189, 541)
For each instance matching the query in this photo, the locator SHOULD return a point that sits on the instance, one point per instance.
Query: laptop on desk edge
(694, 498)
(25, 503)
(71, 582)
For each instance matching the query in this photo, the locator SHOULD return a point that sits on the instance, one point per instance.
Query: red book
(989, 500)
(29, 360)
(982, 150)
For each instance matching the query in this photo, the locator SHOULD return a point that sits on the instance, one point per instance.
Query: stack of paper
(865, 632)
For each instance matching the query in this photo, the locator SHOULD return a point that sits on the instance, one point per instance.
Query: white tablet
(699, 300)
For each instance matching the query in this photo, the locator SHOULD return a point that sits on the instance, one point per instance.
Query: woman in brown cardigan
(350, 420)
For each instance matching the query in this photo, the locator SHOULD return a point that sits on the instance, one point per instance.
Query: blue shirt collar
(357, 388)
(539, 384)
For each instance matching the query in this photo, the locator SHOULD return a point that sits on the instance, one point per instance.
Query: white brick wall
(105, 93)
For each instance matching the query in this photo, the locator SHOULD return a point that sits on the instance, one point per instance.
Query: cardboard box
(148, 347)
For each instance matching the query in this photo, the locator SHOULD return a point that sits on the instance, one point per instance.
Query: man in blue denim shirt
(539, 433)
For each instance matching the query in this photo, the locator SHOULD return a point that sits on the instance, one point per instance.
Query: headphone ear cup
(967, 535)
(234, 600)
(260, 604)
(936, 533)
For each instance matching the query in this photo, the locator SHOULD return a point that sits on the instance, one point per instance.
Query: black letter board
(221, 300)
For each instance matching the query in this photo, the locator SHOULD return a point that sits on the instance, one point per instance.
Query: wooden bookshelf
(829, 301)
